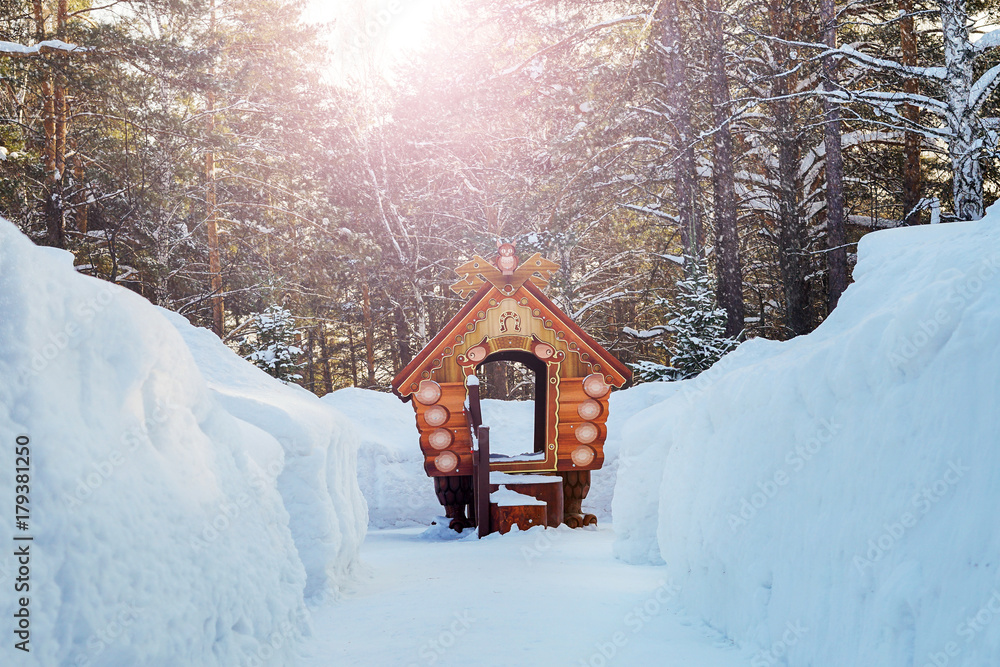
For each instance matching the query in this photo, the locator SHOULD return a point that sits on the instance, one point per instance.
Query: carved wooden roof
(482, 280)
(478, 272)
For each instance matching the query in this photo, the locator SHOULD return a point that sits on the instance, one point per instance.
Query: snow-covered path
(543, 597)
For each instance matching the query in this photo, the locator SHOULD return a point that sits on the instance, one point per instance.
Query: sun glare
(365, 33)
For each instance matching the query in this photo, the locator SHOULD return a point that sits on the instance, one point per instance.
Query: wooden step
(509, 508)
(546, 488)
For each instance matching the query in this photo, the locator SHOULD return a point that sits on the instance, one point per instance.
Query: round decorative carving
(437, 416)
(429, 392)
(582, 455)
(595, 386)
(543, 351)
(589, 409)
(440, 438)
(446, 461)
(477, 354)
(586, 433)
(536, 312)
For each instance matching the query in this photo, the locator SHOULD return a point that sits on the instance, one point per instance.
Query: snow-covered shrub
(272, 344)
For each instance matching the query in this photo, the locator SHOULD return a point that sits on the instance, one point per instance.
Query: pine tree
(272, 344)
(697, 327)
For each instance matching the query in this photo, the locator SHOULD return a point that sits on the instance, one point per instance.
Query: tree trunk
(685, 183)
(791, 228)
(325, 361)
(728, 267)
(402, 338)
(211, 212)
(54, 224)
(966, 143)
(911, 140)
(81, 208)
(497, 385)
(59, 95)
(369, 333)
(310, 379)
(836, 256)
(353, 355)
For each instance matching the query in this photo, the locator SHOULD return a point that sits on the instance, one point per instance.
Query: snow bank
(160, 534)
(390, 465)
(624, 404)
(831, 499)
(317, 474)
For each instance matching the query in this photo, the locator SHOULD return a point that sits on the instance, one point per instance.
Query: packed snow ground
(537, 598)
(183, 504)
(845, 482)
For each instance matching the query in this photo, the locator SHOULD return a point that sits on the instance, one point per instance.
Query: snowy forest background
(701, 170)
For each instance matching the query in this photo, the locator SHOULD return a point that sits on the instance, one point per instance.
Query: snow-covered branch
(575, 37)
(15, 50)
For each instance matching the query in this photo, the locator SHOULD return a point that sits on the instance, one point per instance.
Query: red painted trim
(595, 347)
(446, 332)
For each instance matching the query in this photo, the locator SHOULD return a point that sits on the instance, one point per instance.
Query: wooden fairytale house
(508, 318)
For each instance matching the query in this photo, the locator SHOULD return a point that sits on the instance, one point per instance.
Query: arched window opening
(513, 388)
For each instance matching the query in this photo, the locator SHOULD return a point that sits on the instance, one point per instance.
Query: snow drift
(317, 473)
(170, 524)
(390, 465)
(830, 499)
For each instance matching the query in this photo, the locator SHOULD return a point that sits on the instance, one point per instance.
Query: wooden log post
(475, 408)
(455, 493)
(481, 477)
(576, 484)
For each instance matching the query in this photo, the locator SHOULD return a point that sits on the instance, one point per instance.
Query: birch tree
(953, 94)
